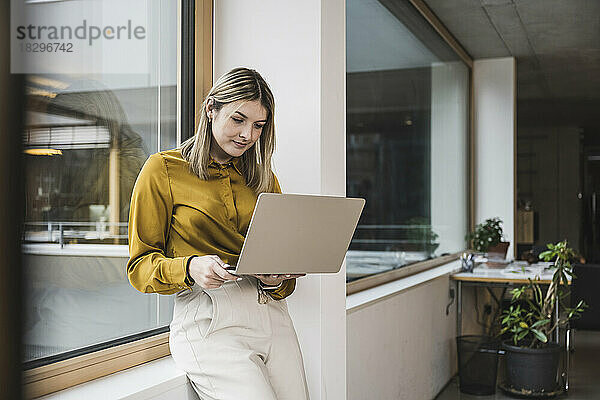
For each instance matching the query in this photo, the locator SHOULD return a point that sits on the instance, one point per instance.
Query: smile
(239, 144)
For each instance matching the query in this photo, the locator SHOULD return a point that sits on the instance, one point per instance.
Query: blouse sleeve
(287, 286)
(148, 269)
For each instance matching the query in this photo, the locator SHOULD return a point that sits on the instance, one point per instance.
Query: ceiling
(556, 44)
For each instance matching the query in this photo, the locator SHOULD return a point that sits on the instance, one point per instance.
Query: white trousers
(233, 348)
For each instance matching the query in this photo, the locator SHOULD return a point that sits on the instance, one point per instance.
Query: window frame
(193, 72)
(374, 280)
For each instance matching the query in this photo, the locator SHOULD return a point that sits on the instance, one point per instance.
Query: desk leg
(568, 366)
(458, 308)
(557, 331)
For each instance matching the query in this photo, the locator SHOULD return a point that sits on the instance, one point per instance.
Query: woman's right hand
(209, 271)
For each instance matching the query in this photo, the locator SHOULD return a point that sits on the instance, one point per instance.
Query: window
(407, 129)
(86, 138)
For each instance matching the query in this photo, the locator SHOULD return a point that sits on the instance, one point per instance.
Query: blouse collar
(235, 161)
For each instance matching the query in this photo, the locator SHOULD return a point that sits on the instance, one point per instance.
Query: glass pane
(86, 138)
(407, 124)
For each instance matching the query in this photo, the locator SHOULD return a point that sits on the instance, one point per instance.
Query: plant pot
(532, 371)
(477, 364)
(498, 251)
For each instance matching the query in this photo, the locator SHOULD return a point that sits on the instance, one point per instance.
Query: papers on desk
(520, 269)
(515, 272)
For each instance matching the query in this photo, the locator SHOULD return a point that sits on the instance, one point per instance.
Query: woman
(190, 211)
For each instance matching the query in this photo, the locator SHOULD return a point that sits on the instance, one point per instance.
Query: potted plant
(531, 357)
(488, 238)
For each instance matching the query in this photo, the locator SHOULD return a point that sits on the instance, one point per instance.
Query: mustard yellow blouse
(175, 215)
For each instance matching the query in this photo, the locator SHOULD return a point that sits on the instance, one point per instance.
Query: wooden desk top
(511, 274)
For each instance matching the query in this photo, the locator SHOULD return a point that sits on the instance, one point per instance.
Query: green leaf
(564, 278)
(541, 337)
(522, 334)
(540, 322)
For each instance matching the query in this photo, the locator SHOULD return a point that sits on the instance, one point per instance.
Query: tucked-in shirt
(175, 215)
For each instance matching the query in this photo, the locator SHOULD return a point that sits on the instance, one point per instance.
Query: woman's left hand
(276, 279)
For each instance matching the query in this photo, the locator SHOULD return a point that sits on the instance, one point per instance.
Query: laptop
(298, 234)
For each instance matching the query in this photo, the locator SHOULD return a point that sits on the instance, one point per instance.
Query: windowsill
(393, 275)
(138, 383)
(86, 250)
(369, 296)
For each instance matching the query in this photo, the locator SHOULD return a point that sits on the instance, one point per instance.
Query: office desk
(512, 275)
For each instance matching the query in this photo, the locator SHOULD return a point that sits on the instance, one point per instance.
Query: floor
(584, 376)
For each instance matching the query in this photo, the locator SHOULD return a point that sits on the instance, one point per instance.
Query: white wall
(403, 347)
(299, 48)
(494, 86)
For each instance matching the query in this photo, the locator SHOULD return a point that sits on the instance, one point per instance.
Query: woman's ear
(210, 108)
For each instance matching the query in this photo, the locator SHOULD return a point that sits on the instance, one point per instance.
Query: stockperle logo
(84, 31)
(83, 36)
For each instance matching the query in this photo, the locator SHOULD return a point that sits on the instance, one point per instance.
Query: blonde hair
(246, 85)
